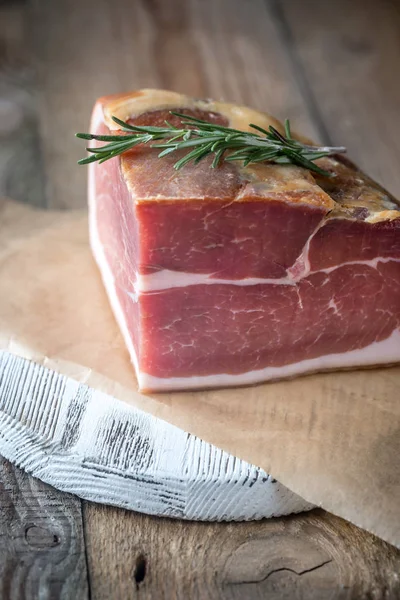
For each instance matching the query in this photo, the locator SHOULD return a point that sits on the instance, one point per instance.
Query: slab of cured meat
(233, 276)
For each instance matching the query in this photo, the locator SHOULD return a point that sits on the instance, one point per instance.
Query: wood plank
(42, 551)
(21, 168)
(244, 59)
(313, 555)
(126, 45)
(349, 52)
(231, 49)
(87, 443)
(41, 534)
(240, 57)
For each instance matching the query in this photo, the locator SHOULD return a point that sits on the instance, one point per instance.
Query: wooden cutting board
(319, 63)
(320, 435)
(86, 442)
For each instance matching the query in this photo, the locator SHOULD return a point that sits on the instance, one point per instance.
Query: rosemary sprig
(201, 138)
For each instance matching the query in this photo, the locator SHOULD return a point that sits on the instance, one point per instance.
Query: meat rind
(237, 275)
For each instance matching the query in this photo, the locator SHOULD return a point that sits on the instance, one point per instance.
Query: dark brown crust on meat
(346, 193)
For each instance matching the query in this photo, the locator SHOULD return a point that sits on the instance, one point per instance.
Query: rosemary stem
(201, 138)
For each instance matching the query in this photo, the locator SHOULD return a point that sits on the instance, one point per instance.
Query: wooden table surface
(332, 67)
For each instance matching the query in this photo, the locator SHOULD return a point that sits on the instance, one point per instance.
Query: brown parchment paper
(332, 438)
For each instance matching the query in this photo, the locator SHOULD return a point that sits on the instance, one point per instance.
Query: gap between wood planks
(298, 72)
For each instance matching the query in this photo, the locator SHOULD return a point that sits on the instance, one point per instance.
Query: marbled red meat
(237, 275)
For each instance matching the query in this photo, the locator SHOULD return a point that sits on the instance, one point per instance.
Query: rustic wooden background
(330, 66)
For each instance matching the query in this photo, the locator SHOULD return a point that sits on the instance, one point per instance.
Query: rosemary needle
(201, 138)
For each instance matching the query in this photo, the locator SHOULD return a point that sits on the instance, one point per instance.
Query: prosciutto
(233, 276)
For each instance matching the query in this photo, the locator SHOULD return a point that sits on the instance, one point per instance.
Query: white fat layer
(166, 279)
(303, 260)
(100, 257)
(385, 352)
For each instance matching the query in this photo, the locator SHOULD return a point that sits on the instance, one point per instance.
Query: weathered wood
(21, 168)
(224, 49)
(314, 555)
(42, 552)
(349, 54)
(239, 50)
(86, 442)
(238, 54)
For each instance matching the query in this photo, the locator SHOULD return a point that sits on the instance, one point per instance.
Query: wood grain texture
(248, 51)
(88, 443)
(21, 167)
(310, 556)
(42, 552)
(349, 55)
(226, 49)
